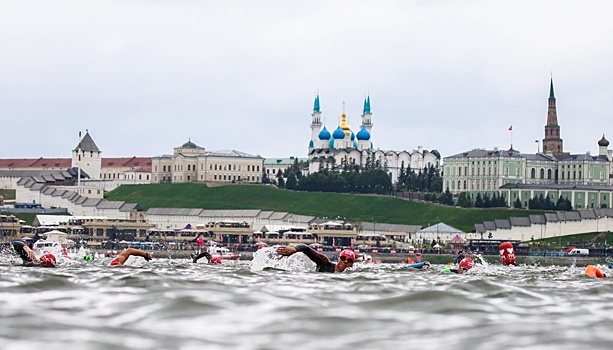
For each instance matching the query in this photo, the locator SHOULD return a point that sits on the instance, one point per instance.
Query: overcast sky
(146, 76)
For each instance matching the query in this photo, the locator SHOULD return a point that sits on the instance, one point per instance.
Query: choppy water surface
(174, 304)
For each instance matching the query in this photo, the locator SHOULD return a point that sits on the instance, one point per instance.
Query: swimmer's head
(347, 256)
(215, 260)
(427, 264)
(88, 257)
(48, 260)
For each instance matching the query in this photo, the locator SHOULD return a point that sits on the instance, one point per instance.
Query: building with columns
(333, 150)
(192, 163)
(551, 171)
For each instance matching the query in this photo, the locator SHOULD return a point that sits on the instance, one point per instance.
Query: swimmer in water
(345, 260)
(208, 256)
(123, 256)
(464, 265)
(418, 266)
(26, 254)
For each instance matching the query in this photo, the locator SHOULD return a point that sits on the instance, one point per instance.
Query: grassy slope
(7, 194)
(332, 205)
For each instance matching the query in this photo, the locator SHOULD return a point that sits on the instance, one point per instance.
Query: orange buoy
(594, 272)
(409, 261)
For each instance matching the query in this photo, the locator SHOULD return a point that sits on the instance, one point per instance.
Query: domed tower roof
(338, 134)
(311, 144)
(190, 144)
(363, 134)
(344, 125)
(324, 134)
(603, 142)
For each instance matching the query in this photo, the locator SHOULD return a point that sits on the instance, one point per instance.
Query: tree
(517, 204)
(292, 182)
(447, 198)
(464, 200)
(479, 201)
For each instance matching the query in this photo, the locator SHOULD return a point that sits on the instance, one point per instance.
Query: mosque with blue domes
(342, 146)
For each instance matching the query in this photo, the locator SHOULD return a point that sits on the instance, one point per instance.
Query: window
(542, 173)
(533, 173)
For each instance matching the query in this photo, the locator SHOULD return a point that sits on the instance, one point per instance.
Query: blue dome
(311, 144)
(363, 134)
(339, 134)
(331, 143)
(324, 134)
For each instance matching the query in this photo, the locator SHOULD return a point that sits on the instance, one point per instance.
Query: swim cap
(115, 262)
(466, 263)
(88, 257)
(215, 260)
(348, 253)
(48, 260)
(427, 263)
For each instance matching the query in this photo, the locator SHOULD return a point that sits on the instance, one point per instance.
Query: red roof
(63, 163)
(133, 162)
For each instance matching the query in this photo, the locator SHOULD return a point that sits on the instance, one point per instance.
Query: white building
(344, 147)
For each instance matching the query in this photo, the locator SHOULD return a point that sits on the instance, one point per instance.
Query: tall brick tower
(552, 143)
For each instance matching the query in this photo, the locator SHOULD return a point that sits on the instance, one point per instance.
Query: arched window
(549, 174)
(542, 173)
(533, 173)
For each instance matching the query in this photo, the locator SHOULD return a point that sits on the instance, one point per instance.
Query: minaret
(552, 143)
(315, 123)
(367, 115)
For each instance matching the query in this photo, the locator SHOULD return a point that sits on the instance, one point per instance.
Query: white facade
(334, 150)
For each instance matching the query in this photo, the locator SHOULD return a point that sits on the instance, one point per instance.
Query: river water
(174, 304)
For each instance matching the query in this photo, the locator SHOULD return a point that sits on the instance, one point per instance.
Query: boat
(221, 252)
(56, 243)
(367, 259)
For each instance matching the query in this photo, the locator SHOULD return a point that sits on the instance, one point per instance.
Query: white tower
(88, 157)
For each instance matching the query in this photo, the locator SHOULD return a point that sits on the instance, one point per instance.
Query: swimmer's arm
(29, 252)
(203, 254)
(131, 251)
(317, 257)
(21, 247)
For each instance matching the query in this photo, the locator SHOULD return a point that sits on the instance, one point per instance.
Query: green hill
(332, 205)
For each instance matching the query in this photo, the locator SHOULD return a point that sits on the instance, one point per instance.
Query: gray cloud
(143, 76)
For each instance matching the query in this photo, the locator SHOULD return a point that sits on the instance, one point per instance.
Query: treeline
(351, 178)
(545, 203)
(480, 201)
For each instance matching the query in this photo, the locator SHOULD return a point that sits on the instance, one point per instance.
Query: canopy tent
(457, 240)
(440, 228)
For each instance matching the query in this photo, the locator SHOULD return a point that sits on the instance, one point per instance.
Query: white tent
(440, 228)
(439, 231)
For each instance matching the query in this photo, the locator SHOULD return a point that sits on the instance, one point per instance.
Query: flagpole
(511, 130)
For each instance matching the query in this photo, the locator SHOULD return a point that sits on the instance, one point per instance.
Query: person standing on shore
(345, 260)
